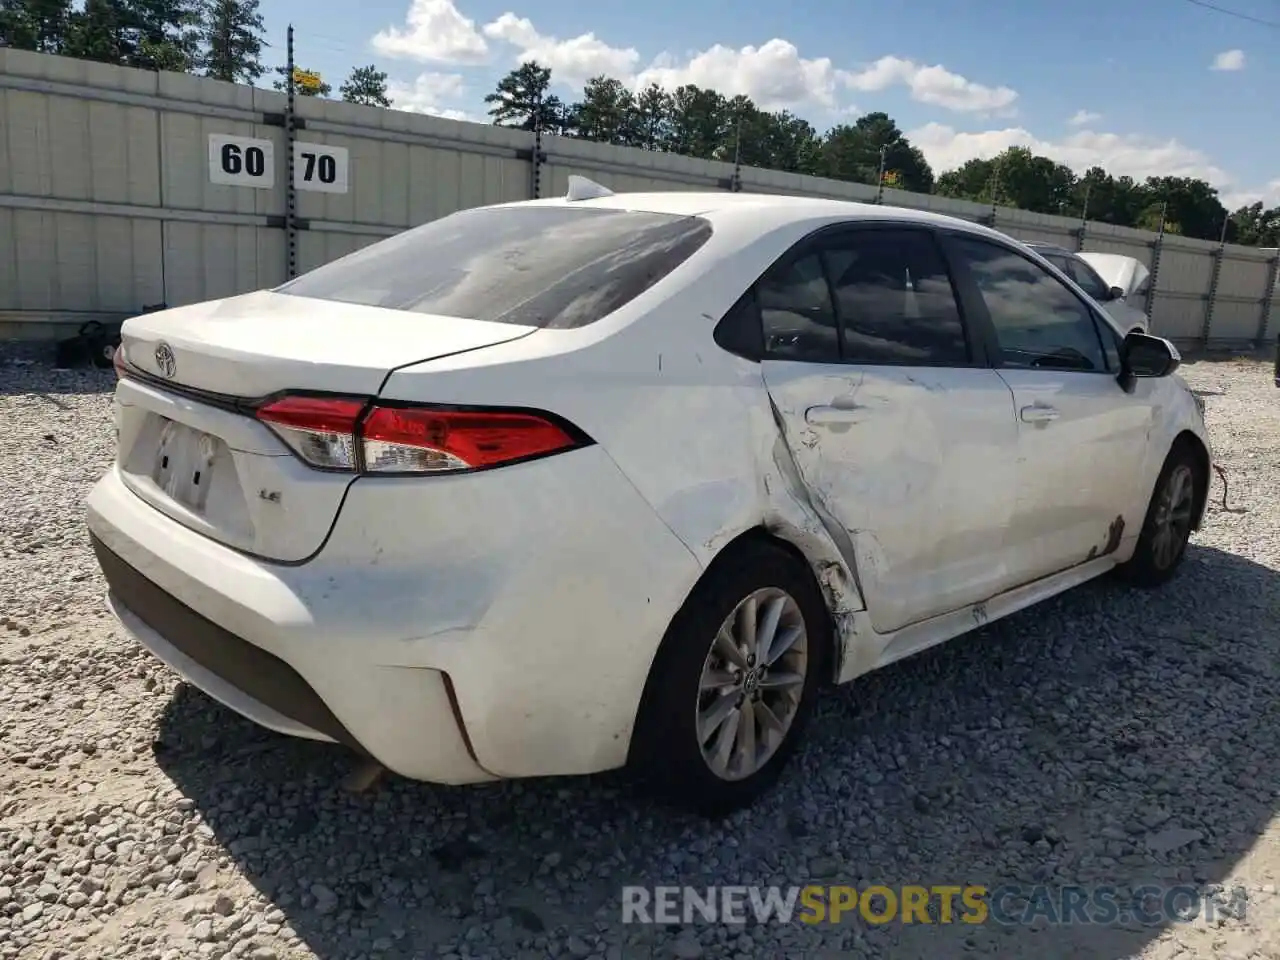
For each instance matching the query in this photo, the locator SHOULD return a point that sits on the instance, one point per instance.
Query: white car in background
(559, 486)
(1116, 283)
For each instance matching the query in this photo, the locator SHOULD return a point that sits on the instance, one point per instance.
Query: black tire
(1152, 564)
(666, 753)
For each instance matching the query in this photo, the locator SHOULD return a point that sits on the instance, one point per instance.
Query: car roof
(770, 209)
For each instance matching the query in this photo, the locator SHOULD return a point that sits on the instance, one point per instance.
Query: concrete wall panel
(106, 203)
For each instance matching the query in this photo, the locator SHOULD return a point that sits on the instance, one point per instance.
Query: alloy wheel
(1173, 517)
(752, 683)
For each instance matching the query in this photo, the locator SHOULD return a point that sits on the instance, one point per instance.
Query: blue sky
(1128, 84)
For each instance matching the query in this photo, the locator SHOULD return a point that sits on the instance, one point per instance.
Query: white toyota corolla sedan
(560, 486)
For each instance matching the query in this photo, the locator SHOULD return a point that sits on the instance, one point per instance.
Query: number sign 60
(241, 161)
(254, 162)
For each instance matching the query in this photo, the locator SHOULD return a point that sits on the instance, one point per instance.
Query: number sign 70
(328, 168)
(320, 167)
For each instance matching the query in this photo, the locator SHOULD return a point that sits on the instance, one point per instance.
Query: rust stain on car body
(1114, 534)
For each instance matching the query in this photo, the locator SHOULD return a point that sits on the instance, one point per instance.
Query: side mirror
(1115, 293)
(1143, 355)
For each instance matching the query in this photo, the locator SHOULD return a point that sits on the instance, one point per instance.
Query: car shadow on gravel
(1109, 739)
(43, 380)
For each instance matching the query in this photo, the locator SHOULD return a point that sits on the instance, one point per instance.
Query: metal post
(735, 182)
(1156, 246)
(990, 220)
(537, 160)
(995, 196)
(538, 155)
(1268, 298)
(1084, 217)
(880, 177)
(290, 193)
(1219, 256)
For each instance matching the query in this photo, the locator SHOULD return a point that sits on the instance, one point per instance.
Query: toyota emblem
(165, 360)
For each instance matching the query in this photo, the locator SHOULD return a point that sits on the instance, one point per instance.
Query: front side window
(1038, 321)
(552, 267)
(1112, 342)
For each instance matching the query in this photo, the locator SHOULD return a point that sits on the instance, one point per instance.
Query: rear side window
(1088, 281)
(895, 301)
(549, 267)
(878, 297)
(796, 312)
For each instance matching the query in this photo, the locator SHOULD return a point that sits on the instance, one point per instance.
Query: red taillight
(320, 430)
(118, 364)
(338, 434)
(423, 440)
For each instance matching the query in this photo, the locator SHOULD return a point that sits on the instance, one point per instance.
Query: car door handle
(1039, 413)
(827, 415)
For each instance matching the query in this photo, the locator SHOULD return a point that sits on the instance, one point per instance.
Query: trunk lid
(259, 343)
(186, 444)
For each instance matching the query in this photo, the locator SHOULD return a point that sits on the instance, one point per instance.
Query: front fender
(1179, 417)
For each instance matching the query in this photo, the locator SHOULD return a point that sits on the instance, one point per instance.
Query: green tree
(606, 113)
(367, 85)
(1032, 182)
(162, 34)
(1155, 215)
(740, 118)
(522, 100)
(795, 145)
(39, 25)
(1102, 197)
(1017, 178)
(306, 83)
(699, 122)
(99, 31)
(1192, 204)
(853, 152)
(233, 38)
(770, 141)
(972, 180)
(651, 128)
(1256, 226)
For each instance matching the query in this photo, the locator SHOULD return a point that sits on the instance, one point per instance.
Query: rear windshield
(550, 267)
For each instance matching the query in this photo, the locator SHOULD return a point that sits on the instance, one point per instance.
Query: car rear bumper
(234, 671)
(269, 691)
(449, 630)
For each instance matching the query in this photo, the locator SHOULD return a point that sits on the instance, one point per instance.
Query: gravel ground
(1109, 737)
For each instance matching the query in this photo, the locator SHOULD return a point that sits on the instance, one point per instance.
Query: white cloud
(933, 84)
(774, 75)
(434, 31)
(1120, 154)
(428, 94)
(1229, 60)
(1246, 196)
(574, 61)
(1082, 117)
